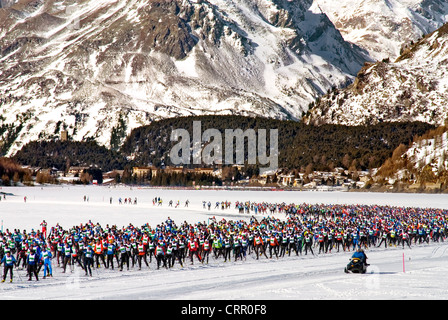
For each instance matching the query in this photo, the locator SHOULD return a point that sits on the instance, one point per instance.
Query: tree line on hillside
(304, 148)
(11, 172)
(64, 154)
(301, 146)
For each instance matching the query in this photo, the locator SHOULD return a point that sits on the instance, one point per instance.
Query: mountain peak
(105, 65)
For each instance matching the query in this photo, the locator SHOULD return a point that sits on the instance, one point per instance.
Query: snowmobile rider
(360, 254)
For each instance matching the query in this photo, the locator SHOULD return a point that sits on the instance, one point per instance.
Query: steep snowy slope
(425, 161)
(382, 27)
(93, 66)
(413, 88)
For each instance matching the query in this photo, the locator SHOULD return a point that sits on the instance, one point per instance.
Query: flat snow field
(394, 273)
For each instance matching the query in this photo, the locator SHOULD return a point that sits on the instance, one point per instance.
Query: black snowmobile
(356, 265)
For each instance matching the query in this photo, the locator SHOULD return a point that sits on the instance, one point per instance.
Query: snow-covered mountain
(432, 152)
(94, 66)
(383, 27)
(413, 88)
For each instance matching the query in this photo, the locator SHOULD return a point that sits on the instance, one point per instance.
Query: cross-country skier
(44, 229)
(217, 247)
(9, 262)
(46, 259)
(193, 249)
(124, 254)
(308, 243)
(273, 246)
(259, 246)
(67, 256)
(88, 259)
(160, 255)
(141, 255)
(32, 261)
(110, 252)
(405, 238)
(206, 248)
(99, 253)
(227, 247)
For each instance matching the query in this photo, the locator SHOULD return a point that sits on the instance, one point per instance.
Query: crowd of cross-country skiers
(272, 230)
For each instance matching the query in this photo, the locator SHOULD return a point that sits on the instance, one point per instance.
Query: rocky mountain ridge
(412, 88)
(98, 68)
(384, 27)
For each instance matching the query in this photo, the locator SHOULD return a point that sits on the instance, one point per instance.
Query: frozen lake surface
(394, 273)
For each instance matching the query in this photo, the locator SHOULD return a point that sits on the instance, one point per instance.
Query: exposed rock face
(413, 88)
(165, 31)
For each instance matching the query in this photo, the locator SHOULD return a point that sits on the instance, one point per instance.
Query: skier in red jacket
(193, 247)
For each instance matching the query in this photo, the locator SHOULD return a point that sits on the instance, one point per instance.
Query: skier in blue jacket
(110, 255)
(9, 262)
(45, 257)
(360, 255)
